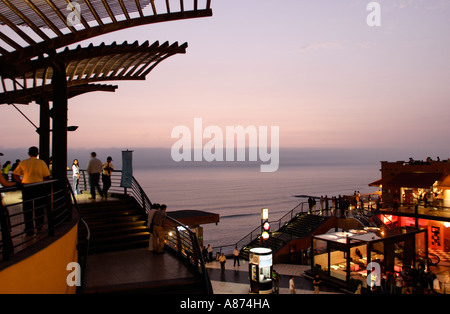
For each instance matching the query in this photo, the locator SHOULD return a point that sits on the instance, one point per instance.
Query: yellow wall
(45, 271)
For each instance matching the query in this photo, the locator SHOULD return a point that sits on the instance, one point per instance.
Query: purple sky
(313, 68)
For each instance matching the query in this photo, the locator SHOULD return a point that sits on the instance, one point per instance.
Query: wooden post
(59, 115)
(44, 131)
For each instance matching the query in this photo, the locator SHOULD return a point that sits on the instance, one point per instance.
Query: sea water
(238, 193)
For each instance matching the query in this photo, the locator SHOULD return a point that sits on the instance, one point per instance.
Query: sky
(315, 69)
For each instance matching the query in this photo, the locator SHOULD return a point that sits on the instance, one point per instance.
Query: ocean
(237, 193)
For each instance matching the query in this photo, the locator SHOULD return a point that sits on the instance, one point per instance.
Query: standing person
(94, 168)
(291, 285)
(5, 170)
(222, 261)
(310, 204)
(399, 284)
(276, 281)
(205, 254)
(76, 177)
(236, 256)
(33, 170)
(396, 201)
(159, 219)
(106, 175)
(321, 203)
(151, 214)
(316, 284)
(13, 167)
(210, 253)
(5, 183)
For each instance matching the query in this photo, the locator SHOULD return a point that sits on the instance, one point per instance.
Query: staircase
(301, 226)
(272, 243)
(115, 225)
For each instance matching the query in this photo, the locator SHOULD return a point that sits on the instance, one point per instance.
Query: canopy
(415, 180)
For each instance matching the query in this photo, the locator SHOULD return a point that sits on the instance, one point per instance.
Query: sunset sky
(313, 68)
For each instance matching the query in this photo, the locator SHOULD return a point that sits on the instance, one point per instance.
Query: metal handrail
(257, 230)
(88, 238)
(187, 245)
(55, 211)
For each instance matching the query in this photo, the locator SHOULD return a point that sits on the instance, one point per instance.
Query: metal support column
(44, 131)
(59, 115)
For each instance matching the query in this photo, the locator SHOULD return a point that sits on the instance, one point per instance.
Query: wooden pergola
(37, 65)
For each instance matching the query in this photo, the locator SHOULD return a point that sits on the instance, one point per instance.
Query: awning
(415, 180)
(444, 182)
(376, 183)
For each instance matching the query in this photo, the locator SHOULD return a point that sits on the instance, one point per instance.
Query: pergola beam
(55, 43)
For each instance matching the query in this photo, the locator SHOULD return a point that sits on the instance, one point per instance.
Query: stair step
(96, 218)
(110, 247)
(117, 226)
(118, 238)
(115, 219)
(108, 232)
(299, 227)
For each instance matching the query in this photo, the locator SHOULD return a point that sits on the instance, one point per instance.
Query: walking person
(94, 168)
(291, 285)
(236, 256)
(222, 261)
(76, 177)
(151, 213)
(107, 169)
(316, 284)
(276, 278)
(35, 198)
(210, 253)
(159, 219)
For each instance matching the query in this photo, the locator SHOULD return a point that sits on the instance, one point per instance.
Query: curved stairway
(301, 226)
(115, 225)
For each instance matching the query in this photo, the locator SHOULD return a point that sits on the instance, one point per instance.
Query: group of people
(207, 253)
(94, 168)
(35, 170)
(156, 220)
(412, 281)
(31, 170)
(340, 202)
(7, 167)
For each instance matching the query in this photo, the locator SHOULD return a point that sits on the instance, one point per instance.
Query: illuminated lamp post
(265, 224)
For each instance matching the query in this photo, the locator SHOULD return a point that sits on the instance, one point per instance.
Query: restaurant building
(417, 193)
(349, 258)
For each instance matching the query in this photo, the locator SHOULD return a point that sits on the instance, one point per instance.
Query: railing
(301, 208)
(83, 232)
(179, 238)
(49, 203)
(183, 241)
(256, 233)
